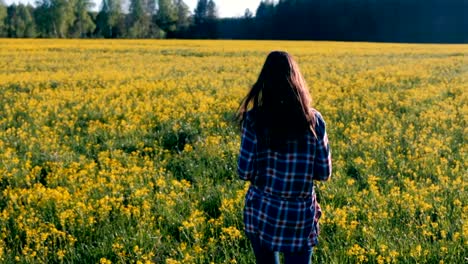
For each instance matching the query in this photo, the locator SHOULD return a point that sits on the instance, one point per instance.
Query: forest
(422, 21)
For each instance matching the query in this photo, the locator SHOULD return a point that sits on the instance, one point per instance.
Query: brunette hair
(280, 100)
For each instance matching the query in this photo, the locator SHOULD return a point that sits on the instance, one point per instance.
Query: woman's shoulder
(318, 116)
(320, 124)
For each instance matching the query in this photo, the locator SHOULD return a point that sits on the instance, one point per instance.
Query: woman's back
(287, 172)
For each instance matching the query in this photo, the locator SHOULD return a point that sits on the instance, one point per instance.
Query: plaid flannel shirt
(280, 205)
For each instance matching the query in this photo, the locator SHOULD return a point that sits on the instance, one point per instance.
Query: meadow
(125, 151)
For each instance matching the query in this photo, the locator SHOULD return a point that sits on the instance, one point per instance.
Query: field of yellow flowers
(124, 151)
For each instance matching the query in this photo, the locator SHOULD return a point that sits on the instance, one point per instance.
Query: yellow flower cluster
(124, 151)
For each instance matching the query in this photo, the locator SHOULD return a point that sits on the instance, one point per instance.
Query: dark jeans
(265, 256)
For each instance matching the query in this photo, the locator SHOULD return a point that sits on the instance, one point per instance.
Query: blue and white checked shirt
(280, 205)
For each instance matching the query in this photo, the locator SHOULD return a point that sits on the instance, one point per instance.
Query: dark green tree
(248, 14)
(205, 19)
(166, 16)
(20, 22)
(57, 17)
(211, 20)
(150, 6)
(83, 24)
(153, 31)
(110, 20)
(139, 19)
(211, 10)
(42, 18)
(62, 16)
(25, 13)
(13, 22)
(3, 16)
(183, 15)
(199, 16)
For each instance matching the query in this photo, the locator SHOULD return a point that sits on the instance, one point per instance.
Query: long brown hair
(280, 100)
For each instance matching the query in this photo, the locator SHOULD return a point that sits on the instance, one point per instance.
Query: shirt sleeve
(322, 162)
(246, 162)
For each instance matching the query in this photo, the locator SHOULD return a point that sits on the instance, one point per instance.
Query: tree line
(439, 21)
(443, 21)
(115, 19)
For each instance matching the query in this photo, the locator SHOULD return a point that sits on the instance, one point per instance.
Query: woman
(284, 147)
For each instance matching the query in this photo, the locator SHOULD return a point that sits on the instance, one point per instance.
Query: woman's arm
(322, 162)
(246, 161)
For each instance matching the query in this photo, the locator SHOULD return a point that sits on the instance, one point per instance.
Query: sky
(226, 8)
